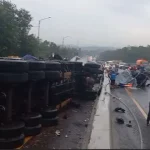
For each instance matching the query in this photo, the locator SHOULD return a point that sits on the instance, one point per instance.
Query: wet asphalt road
(124, 137)
(142, 96)
(73, 126)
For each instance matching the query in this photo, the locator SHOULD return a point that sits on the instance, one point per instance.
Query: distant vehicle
(141, 61)
(122, 65)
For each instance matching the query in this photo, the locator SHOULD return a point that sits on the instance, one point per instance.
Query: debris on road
(74, 111)
(57, 132)
(65, 116)
(148, 85)
(120, 120)
(75, 104)
(70, 133)
(119, 109)
(86, 125)
(129, 124)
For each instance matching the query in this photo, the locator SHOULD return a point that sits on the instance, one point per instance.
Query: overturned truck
(31, 93)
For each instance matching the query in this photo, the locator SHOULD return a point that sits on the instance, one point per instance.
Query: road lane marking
(136, 103)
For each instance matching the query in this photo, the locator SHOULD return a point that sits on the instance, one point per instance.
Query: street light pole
(63, 41)
(40, 24)
(39, 29)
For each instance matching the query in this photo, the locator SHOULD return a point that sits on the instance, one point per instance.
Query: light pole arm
(63, 41)
(45, 19)
(40, 24)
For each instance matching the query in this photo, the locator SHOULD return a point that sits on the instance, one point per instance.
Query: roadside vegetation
(15, 39)
(127, 54)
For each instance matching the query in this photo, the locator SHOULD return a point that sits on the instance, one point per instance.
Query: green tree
(127, 54)
(24, 26)
(8, 28)
(15, 39)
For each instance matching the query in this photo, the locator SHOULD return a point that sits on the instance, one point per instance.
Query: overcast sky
(91, 22)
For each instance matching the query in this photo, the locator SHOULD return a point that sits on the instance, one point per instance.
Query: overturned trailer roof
(76, 58)
(80, 59)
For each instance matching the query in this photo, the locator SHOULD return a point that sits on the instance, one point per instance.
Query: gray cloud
(92, 22)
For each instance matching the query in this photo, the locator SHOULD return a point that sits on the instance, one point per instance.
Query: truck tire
(11, 130)
(53, 66)
(13, 66)
(46, 122)
(32, 131)
(12, 143)
(36, 75)
(78, 66)
(52, 75)
(13, 77)
(32, 119)
(49, 113)
(92, 65)
(36, 65)
(71, 66)
(92, 70)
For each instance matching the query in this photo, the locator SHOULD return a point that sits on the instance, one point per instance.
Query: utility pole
(39, 24)
(63, 40)
(39, 29)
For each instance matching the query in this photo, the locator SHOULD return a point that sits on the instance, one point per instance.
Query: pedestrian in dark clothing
(112, 76)
(148, 116)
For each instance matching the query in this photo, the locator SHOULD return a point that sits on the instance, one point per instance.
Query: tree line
(127, 54)
(15, 25)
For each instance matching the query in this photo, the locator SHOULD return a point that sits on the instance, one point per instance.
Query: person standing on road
(112, 76)
(148, 116)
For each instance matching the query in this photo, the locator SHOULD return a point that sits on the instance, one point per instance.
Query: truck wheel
(78, 66)
(36, 65)
(92, 65)
(11, 130)
(13, 66)
(12, 142)
(86, 69)
(53, 66)
(49, 122)
(13, 77)
(52, 75)
(32, 119)
(93, 70)
(36, 75)
(49, 113)
(32, 131)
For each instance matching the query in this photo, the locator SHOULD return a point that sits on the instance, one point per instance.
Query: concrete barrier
(100, 135)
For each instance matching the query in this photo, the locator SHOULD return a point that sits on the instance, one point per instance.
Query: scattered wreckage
(131, 78)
